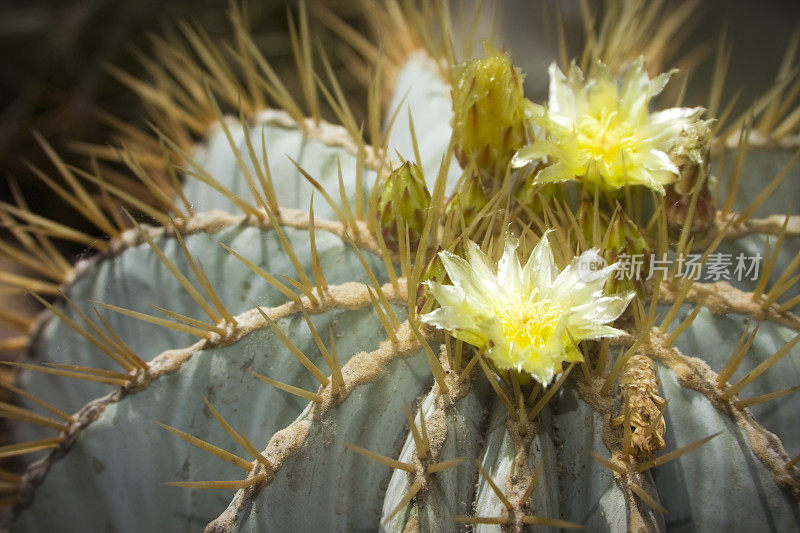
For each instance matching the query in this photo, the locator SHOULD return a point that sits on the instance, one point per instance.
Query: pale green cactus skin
(111, 478)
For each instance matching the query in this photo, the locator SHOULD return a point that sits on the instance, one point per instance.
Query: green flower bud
(467, 202)
(585, 217)
(624, 236)
(532, 194)
(621, 237)
(489, 124)
(403, 203)
(433, 272)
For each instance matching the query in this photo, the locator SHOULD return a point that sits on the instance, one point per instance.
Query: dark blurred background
(759, 32)
(52, 78)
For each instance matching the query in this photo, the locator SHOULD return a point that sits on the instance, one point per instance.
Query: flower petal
(555, 173)
(579, 283)
(462, 274)
(599, 311)
(509, 271)
(540, 268)
(447, 295)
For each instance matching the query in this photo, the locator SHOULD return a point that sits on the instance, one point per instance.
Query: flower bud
(489, 123)
(403, 203)
(531, 195)
(622, 237)
(467, 201)
(433, 272)
(586, 222)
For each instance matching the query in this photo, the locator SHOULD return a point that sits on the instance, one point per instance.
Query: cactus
(265, 313)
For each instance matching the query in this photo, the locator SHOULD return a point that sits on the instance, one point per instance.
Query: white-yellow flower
(525, 318)
(601, 131)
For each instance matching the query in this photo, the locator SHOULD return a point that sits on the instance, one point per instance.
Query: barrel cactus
(350, 323)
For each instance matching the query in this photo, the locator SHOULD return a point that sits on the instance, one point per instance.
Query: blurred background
(54, 80)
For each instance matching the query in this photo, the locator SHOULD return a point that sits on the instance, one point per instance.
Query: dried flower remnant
(640, 390)
(692, 156)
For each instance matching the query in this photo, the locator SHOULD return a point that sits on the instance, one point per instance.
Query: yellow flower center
(603, 138)
(529, 324)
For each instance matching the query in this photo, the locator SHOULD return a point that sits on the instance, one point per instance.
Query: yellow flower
(525, 318)
(601, 131)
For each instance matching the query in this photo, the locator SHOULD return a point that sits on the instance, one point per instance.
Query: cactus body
(108, 473)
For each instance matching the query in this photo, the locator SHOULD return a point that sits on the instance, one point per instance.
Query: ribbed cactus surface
(368, 418)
